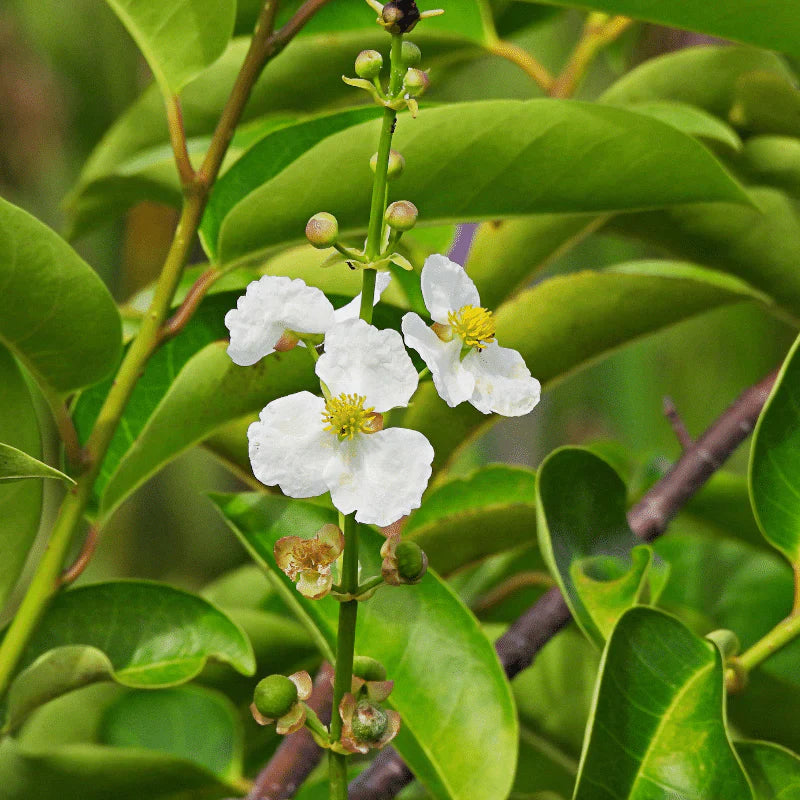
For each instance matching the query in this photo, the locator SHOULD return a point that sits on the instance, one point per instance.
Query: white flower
(308, 446)
(465, 360)
(273, 305)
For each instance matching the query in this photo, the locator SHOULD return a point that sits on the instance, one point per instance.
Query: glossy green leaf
(767, 103)
(705, 77)
(774, 160)
(467, 519)
(154, 635)
(774, 771)
(520, 156)
(658, 718)
(178, 38)
(741, 20)
(20, 501)
(16, 465)
(775, 462)
(56, 315)
(601, 567)
(399, 626)
(568, 321)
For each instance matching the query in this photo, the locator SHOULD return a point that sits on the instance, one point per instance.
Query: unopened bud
(368, 668)
(274, 696)
(369, 722)
(727, 642)
(400, 16)
(322, 230)
(410, 55)
(396, 164)
(369, 64)
(412, 563)
(416, 81)
(401, 215)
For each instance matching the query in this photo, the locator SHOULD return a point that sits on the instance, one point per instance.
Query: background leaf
(774, 771)
(16, 465)
(413, 631)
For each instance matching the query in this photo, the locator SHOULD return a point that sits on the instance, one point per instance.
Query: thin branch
(73, 572)
(67, 432)
(525, 61)
(177, 138)
(678, 427)
(176, 323)
(521, 580)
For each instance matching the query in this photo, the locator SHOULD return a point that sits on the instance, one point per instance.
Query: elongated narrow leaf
(154, 635)
(179, 38)
(773, 770)
(526, 157)
(56, 315)
(775, 161)
(15, 465)
(399, 627)
(614, 308)
(469, 518)
(768, 104)
(658, 719)
(775, 462)
(20, 501)
(741, 20)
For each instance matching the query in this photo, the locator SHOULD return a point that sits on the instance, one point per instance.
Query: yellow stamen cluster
(474, 325)
(345, 416)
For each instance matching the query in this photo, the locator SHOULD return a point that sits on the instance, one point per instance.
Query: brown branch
(177, 322)
(73, 572)
(678, 427)
(177, 138)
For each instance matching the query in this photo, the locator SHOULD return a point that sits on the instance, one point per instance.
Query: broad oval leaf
(467, 519)
(179, 38)
(775, 462)
(16, 465)
(767, 104)
(601, 567)
(773, 770)
(774, 160)
(526, 157)
(414, 631)
(154, 635)
(658, 718)
(56, 315)
(20, 501)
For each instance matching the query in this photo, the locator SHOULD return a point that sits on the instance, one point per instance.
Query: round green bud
(396, 164)
(368, 669)
(410, 55)
(322, 230)
(369, 64)
(401, 215)
(369, 722)
(727, 642)
(412, 563)
(274, 696)
(416, 81)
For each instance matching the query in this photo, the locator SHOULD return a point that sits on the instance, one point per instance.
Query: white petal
(453, 383)
(360, 359)
(503, 383)
(271, 305)
(380, 476)
(289, 447)
(446, 287)
(353, 308)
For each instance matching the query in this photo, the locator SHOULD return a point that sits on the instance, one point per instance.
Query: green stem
(345, 647)
(781, 635)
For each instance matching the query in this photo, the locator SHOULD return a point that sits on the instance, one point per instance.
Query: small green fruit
(412, 563)
(410, 55)
(368, 669)
(369, 722)
(369, 64)
(401, 215)
(322, 230)
(274, 696)
(395, 167)
(416, 82)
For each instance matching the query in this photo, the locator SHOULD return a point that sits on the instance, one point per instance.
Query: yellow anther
(474, 325)
(345, 416)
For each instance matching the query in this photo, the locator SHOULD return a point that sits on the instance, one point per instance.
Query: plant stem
(345, 646)
(524, 60)
(781, 635)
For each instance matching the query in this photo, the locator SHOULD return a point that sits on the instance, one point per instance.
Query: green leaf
(601, 567)
(56, 315)
(774, 28)
(705, 77)
(773, 770)
(767, 103)
(17, 465)
(467, 519)
(178, 38)
(658, 718)
(526, 157)
(20, 501)
(775, 462)
(414, 631)
(154, 635)
(774, 160)
(569, 321)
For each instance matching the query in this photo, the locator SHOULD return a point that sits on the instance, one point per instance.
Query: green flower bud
(727, 642)
(416, 81)
(401, 215)
(396, 164)
(368, 669)
(412, 563)
(322, 230)
(274, 696)
(369, 64)
(410, 55)
(369, 722)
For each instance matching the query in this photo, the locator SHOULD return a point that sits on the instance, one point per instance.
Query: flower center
(345, 416)
(474, 325)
